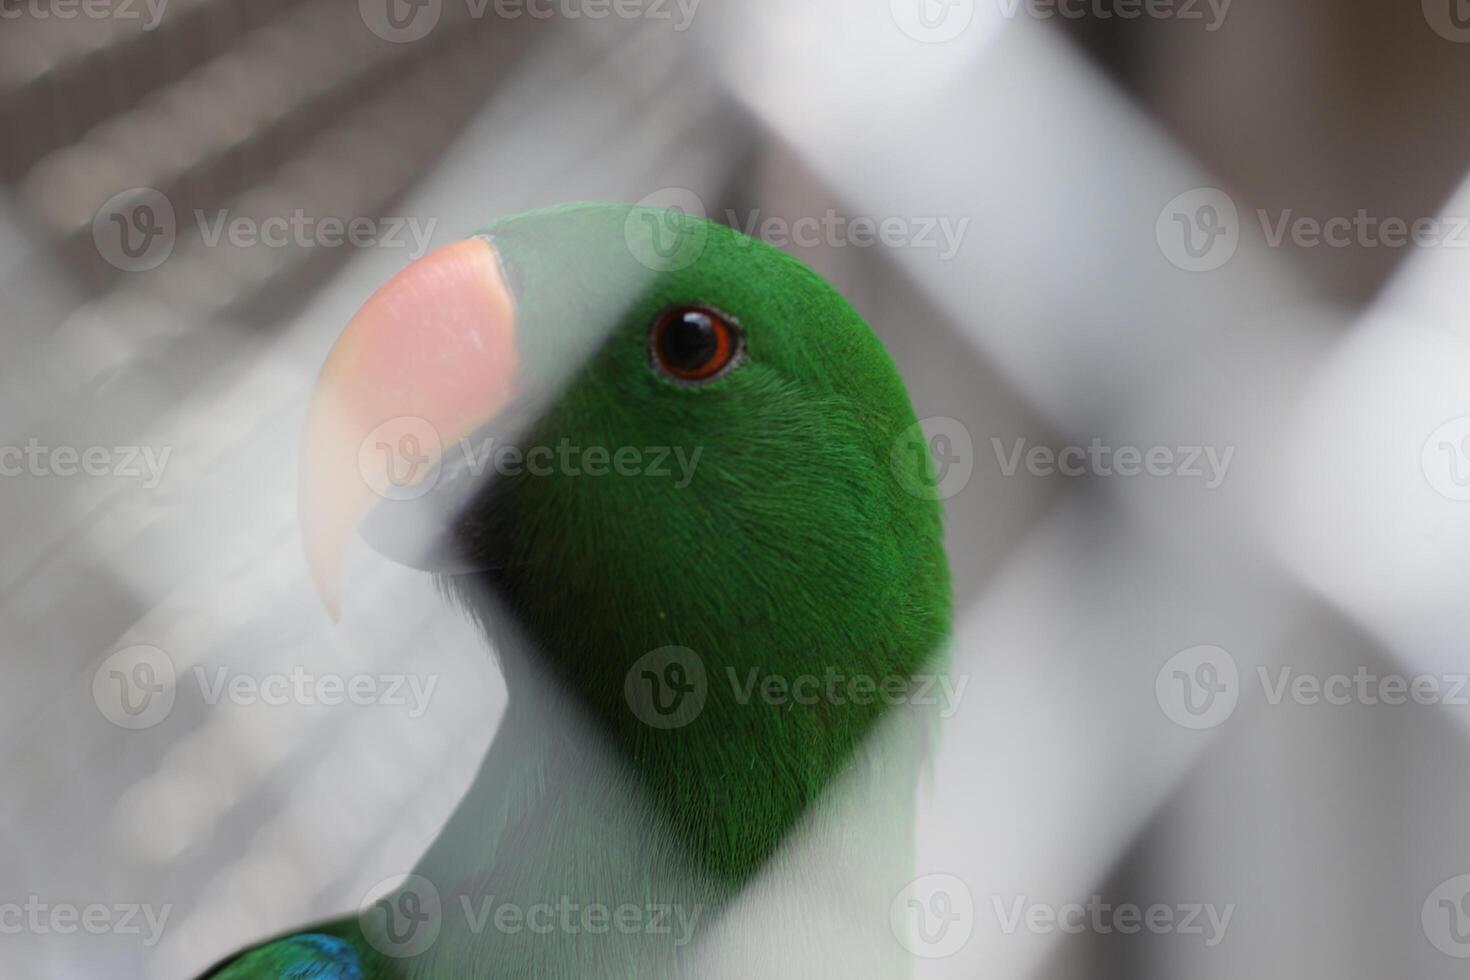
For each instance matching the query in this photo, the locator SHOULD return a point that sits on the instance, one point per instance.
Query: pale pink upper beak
(429, 358)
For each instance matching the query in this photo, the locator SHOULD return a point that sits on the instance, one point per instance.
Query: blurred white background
(1118, 186)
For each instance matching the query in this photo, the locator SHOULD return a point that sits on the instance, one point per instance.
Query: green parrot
(700, 659)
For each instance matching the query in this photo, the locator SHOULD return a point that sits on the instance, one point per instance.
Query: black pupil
(689, 341)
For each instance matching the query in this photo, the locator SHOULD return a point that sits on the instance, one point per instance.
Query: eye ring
(694, 344)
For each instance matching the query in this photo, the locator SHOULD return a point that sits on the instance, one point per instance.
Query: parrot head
(678, 464)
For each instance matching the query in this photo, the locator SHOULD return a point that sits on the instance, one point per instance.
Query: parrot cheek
(457, 524)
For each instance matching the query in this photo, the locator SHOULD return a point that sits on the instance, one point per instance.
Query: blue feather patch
(336, 960)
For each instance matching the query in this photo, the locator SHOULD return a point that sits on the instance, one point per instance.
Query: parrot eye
(694, 344)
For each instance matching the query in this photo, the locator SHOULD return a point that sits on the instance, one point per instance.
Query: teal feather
(309, 956)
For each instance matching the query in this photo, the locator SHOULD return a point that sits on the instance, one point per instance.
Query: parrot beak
(430, 358)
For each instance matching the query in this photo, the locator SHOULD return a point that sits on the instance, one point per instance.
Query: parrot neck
(578, 814)
(559, 828)
(555, 865)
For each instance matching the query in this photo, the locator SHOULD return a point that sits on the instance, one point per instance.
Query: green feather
(312, 956)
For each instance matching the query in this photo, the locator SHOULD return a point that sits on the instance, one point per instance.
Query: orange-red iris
(693, 343)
